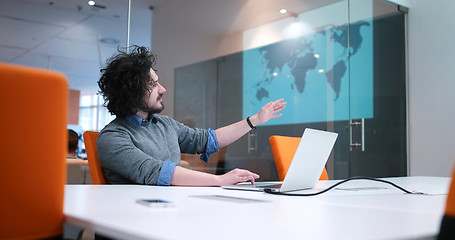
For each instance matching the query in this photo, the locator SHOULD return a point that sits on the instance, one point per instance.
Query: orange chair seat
(283, 150)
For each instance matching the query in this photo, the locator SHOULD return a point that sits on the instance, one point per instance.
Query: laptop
(306, 166)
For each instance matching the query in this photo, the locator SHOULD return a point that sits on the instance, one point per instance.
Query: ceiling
(74, 38)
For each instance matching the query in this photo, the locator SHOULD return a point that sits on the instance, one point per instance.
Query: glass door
(306, 62)
(377, 125)
(340, 68)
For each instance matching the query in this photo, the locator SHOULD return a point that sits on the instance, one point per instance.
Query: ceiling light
(91, 3)
(283, 10)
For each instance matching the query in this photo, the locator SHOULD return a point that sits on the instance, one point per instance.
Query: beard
(154, 109)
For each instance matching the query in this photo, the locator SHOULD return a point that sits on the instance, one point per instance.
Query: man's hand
(268, 111)
(236, 176)
(228, 134)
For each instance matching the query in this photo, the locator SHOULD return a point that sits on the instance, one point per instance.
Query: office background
(430, 51)
(431, 109)
(430, 84)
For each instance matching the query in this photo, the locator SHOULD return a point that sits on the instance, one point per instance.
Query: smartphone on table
(155, 203)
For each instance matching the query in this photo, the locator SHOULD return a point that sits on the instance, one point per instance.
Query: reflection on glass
(327, 66)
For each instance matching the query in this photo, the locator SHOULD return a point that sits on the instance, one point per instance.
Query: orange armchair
(283, 150)
(33, 150)
(96, 171)
(447, 230)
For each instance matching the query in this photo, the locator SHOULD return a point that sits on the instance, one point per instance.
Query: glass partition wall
(340, 67)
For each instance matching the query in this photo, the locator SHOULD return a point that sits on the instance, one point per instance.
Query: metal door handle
(252, 146)
(362, 140)
(363, 135)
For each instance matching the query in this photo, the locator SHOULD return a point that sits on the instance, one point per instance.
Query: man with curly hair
(142, 147)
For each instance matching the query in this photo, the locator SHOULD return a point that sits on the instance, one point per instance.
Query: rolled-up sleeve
(212, 145)
(166, 173)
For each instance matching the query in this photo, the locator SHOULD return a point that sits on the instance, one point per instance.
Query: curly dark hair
(126, 80)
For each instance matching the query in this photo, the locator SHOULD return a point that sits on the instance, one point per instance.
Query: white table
(382, 212)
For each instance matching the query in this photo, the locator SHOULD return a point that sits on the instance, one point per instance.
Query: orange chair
(447, 230)
(33, 149)
(283, 149)
(98, 176)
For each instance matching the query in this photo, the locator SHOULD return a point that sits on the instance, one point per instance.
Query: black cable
(268, 190)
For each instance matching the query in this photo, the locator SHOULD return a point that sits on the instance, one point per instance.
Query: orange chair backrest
(283, 149)
(33, 147)
(450, 202)
(96, 171)
(447, 228)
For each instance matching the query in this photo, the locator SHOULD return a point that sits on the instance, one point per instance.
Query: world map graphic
(310, 71)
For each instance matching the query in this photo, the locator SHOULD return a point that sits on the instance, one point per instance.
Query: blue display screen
(320, 75)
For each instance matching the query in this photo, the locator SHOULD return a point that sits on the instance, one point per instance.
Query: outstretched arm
(228, 134)
(225, 136)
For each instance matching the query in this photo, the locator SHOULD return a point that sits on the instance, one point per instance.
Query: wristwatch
(249, 123)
